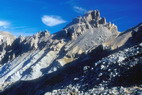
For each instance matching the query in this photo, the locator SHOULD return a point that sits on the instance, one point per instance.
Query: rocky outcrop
(86, 33)
(23, 44)
(89, 21)
(126, 39)
(6, 37)
(6, 40)
(33, 42)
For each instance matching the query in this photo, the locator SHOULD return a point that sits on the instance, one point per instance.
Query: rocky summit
(87, 57)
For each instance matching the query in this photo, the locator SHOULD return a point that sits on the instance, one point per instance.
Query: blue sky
(26, 17)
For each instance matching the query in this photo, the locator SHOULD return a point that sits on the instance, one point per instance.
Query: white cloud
(4, 24)
(79, 10)
(52, 20)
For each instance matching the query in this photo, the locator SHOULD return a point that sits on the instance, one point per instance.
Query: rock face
(89, 22)
(127, 39)
(116, 74)
(6, 40)
(70, 61)
(86, 33)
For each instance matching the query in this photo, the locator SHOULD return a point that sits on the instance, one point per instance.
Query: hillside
(88, 56)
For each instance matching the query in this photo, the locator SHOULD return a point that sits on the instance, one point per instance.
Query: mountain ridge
(83, 42)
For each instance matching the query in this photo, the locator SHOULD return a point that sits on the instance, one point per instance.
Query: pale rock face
(127, 39)
(6, 37)
(89, 21)
(87, 29)
(6, 40)
(92, 15)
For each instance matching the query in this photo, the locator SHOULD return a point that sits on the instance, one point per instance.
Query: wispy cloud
(4, 24)
(52, 20)
(71, 2)
(117, 19)
(79, 10)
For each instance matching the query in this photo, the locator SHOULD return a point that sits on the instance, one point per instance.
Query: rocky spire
(89, 21)
(92, 15)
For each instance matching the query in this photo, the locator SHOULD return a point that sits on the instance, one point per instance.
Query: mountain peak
(90, 21)
(92, 15)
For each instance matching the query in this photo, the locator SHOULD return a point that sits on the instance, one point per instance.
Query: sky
(27, 17)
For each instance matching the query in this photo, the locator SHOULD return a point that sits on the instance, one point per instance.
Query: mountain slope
(69, 59)
(127, 39)
(44, 53)
(111, 75)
